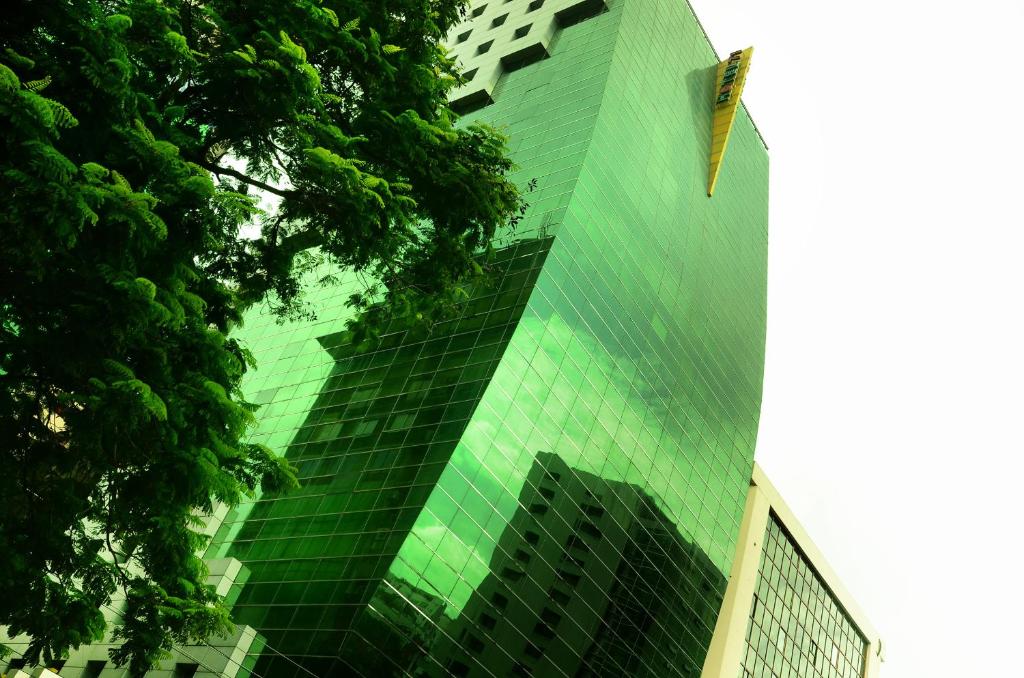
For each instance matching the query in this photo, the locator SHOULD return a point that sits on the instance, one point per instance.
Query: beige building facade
(785, 613)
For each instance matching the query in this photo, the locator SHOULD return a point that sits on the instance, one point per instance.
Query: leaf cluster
(136, 137)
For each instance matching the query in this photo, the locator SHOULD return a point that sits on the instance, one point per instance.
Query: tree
(135, 137)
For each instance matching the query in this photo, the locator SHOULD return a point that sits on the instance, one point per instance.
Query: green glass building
(551, 484)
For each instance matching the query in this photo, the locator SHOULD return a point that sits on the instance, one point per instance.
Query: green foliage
(135, 136)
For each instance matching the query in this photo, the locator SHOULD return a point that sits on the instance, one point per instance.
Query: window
(484, 47)
(511, 574)
(534, 6)
(574, 542)
(579, 12)
(588, 528)
(569, 578)
(551, 617)
(405, 420)
(365, 427)
(559, 597)
(520, 32)
(93, 668)
(463, 37)
(567, 558)
(531, 537)
(479, 10)
(499, 21)
(184, 670)
(469, 75)
(499, 601)
(543, 630)
(265, 396)
(487, 621)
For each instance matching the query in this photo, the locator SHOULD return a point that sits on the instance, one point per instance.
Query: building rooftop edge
(718, 56)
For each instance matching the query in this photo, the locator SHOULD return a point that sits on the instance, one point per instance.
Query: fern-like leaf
(62, 117)
(37, 85)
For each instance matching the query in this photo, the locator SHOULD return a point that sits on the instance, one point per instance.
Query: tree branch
(218, 170)
(275, 229)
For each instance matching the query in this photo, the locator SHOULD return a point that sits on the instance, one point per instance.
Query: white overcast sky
(895, 365)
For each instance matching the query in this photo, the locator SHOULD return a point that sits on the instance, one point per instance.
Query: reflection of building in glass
(369, 452)
(785, 611)
(623, 335)
(580, 584)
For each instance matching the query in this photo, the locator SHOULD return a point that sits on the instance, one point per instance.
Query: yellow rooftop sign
(732, 73)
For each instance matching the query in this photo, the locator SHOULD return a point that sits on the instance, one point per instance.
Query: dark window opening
(532, 650)
(469, 75)
(184, 670)
(544, 631)
(479, 10)
(535, 5)
(463, 37)
(588, 528)
(522, 556)
(531, 537)
(538, 509)
(475, 644)
(569, 578)
(499, 21)
(487, 621)
(579, 13)
(574, 542)
(484, 47)
(472, 102)
(551, 617)
(511, 574)
(560, 597)
(521, 31)
(499, 601)
(93, 668)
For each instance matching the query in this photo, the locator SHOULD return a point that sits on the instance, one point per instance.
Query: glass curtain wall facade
(552, 483)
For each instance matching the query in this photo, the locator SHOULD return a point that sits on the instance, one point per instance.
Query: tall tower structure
(560, 481)
(622, 342)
